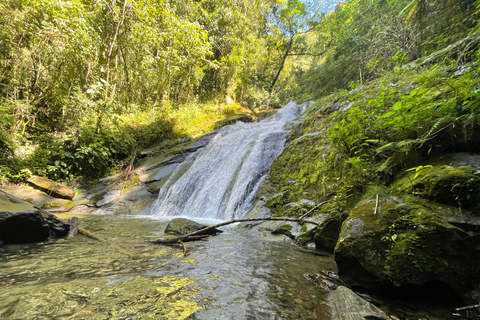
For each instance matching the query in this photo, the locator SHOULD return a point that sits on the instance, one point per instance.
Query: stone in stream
(21, 222)
(344, 304)
(181, 226)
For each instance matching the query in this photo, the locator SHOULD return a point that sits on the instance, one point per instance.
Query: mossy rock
(181, 226)
(306, 237)
(59, 205)
(285, 229)
(408, 242)
(97, 197)
(458, 187)
(52, 187)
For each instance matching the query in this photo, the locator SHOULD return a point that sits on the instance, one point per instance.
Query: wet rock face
(409, 242)
(181, 226)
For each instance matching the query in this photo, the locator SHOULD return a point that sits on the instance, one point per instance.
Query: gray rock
(181, 226)
(344, 304)
(108, 197)
(157, 174)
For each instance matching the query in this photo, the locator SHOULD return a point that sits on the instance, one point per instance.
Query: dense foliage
(85, 83)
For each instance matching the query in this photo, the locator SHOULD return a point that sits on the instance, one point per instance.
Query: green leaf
(388, 114)
(397, 105)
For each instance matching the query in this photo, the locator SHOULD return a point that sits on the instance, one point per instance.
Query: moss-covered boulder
(458, 187)
(409, 241)
(285, 228)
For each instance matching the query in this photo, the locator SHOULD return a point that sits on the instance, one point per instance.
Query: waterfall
(221, 180)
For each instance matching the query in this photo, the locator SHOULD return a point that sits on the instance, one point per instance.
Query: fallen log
(179, 240)
(93, 236)
(194, 236)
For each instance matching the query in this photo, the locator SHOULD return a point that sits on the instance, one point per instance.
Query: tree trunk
(284, 58)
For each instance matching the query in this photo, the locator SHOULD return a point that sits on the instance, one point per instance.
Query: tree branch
(196, 235)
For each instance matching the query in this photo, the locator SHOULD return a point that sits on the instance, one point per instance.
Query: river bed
(231, 276)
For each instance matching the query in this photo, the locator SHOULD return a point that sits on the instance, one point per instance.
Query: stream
(234, 275)
(231, 276)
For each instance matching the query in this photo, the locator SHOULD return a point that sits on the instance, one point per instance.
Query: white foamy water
(221, 180)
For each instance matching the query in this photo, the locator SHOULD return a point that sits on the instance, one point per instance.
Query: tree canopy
(71, 72)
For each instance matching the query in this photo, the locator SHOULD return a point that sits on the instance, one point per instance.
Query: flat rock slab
(52, 187)
(344, 304)
(39, 198)
(108, 197)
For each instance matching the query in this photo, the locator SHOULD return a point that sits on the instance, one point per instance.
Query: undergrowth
(370, 134)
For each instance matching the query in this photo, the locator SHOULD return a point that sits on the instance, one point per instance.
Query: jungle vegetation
(85, 84)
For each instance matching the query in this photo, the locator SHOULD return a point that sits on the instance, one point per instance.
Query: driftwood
(93, 236)
(180, 240)
(194, 236)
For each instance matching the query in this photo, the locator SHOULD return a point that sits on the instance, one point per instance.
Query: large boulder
(403, 242)
(21, 222)
(52, 187)
(39, 198)
(181, 226)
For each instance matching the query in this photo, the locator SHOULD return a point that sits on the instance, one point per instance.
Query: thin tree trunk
(284, 58)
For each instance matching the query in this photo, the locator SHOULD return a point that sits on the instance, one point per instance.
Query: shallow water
(231, 276)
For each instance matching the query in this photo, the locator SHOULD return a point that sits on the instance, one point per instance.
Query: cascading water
(221, 180)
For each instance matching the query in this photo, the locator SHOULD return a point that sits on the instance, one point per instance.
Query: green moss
(285, 229)
(52, 205)
(458, 187)
(97, 197)
(407, 241)
(306, 237)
